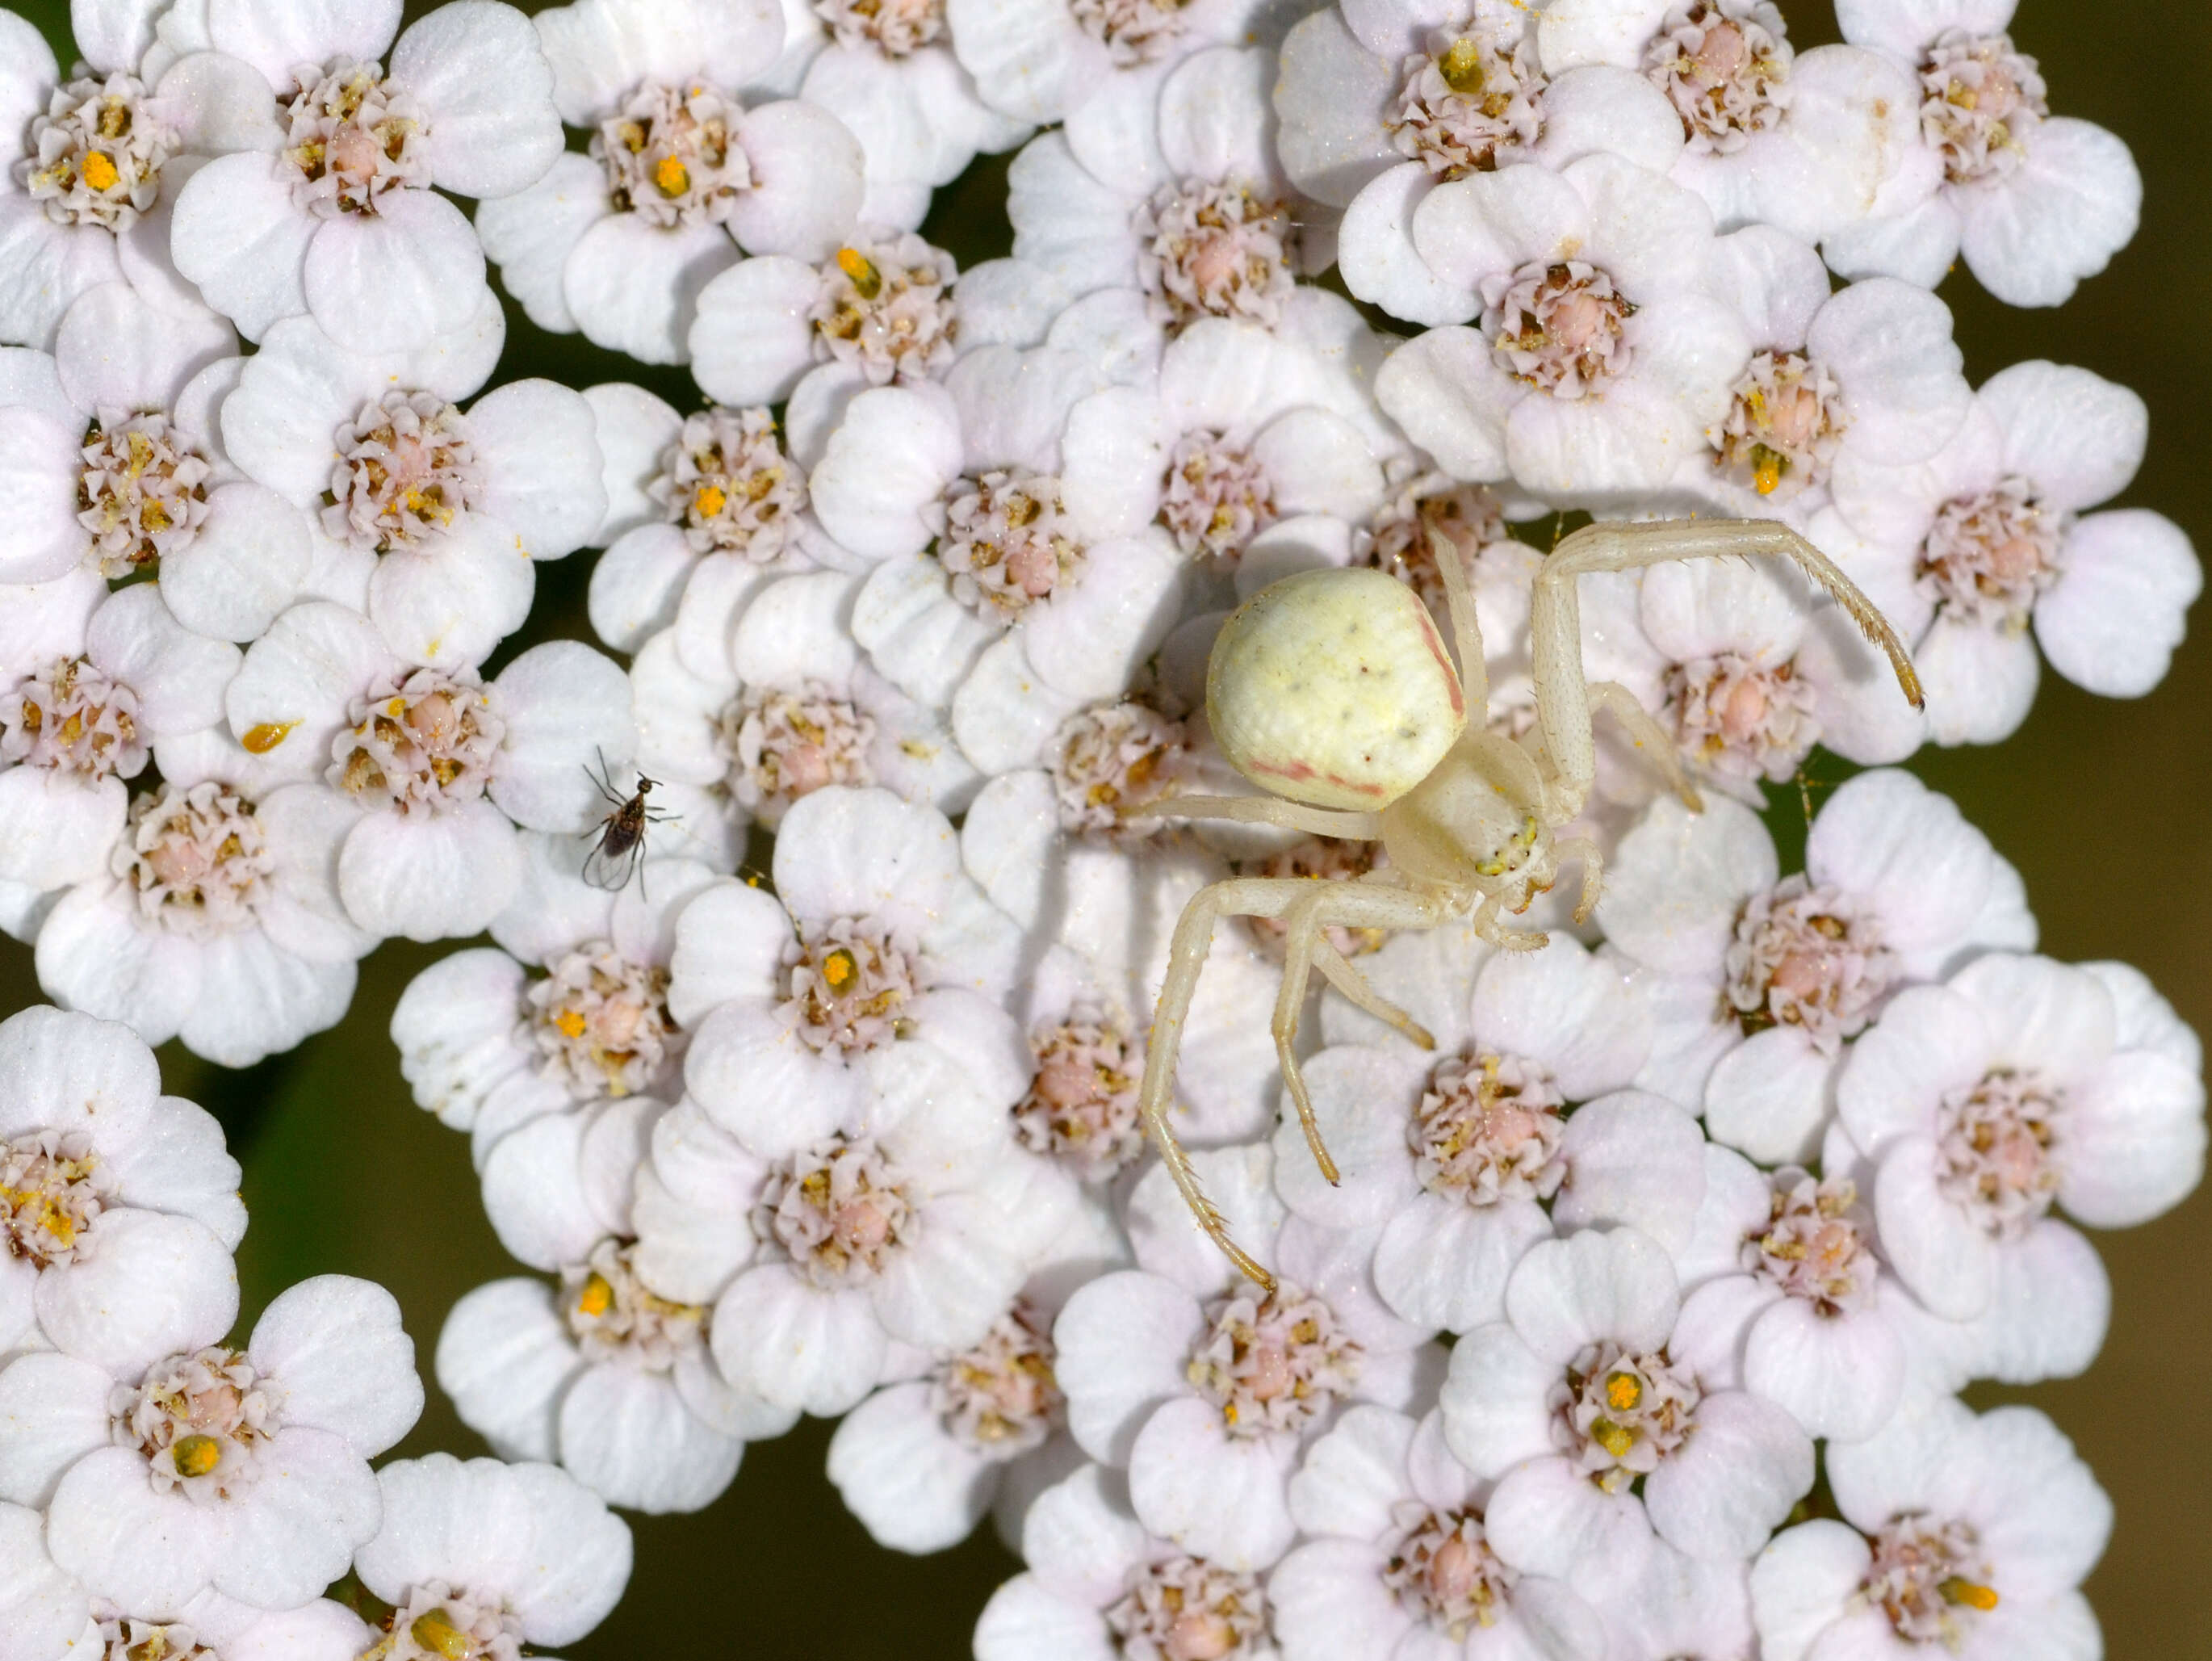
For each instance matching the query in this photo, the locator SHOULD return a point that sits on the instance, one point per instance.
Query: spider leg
(1647, 735)
(1467, 631)
(1340, 972)
(1269, 810)
(1489, 923)
(1584, 851)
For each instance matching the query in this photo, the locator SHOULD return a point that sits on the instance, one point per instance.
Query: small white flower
(1756, 980)
(1968, 548)
(328, 208)
(489, 1045)
(1977, 1106)
(1395, 1547)
(1206, 1388)
(480, 1555)
(1600, 353)
(1599, 1433)
(82, 707)
(619, 242)
(1099, 1583)
(217, 920)
(428, 772)
(1456, 1154)
(1963, 1535)
(45, 1615)
(612, 1381)
(249, 1466)
(118, 1206)
(429, 518)
(2034, 203)
(1042, 60)
(120, 467)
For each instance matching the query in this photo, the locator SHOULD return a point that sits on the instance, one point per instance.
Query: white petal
(1218, 1496)
(2112, 620)
(628, 1437)
(53, 1411)
(538, 445)
(633, 288)
(753, 336)
(109, 1528)
(238, 235)
(43, 1612)
(1546, 1519)
(295, 1530)
(1801, 1584)
(429, 879)
(336, 1345)
(1494, 1401)
(1121, 1343)
(248, 561)
(152, 1285)
(782, 1339)
(504, 1357)
(911, 1484)
(1939, 1251)
(565, 706)
(488, 94)
(2073, 202)
(806, 190)
(529, 235)
(1567, 1294)
(1632, 1158)
(276, 35)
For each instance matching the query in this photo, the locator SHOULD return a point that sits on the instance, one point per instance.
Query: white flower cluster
(1739, 1182)
(166, 1491)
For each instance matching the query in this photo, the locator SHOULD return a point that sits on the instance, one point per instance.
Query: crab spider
(1332, 690)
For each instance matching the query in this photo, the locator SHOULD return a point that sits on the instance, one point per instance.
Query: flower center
(1741, 720)
(1807, 957)
(611, 1315)
(69, 716)
(1618, 1414)
(1443, 1571)
(783, 745)
(95, 156)
(1488, 1129)
(52, 1187)
(142, 493)
(439, 1623)
(1725, 67)
(1557, 326)
(1783, 427)
(122, 1639)
(1273, 1363)
(1930, 1579)
(1006, 543)
(1977, 96)
(1466, 106)
(353, 135)
(1218, 496)
(1081, 1107)
(673, 156)
(888, 306)
(1000, 1398)
(895, 28)
(1816, 1244)
(1133, 32)
(1988, 556)
(1327, 859)
(728, 484)
(839, 1211)
(1214, 249)
(1412, 531)
(421, 738)
(198, 1419)
(1112, 761)
(1994, 1150)
(850, 978)
(1184, 1608)
(602, 1022)
(194, 858)
(406, 466)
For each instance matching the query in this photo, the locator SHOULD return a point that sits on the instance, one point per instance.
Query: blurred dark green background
(2102, 805)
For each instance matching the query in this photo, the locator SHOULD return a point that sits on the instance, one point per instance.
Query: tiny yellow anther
(99, 173)
(436, 1633)
(571, 1023)
(1615, 1440)
(261, 739)
(707, 500)
(1461, 66)
(597, 1298)
(1765, 470)
(865, 277)
(1958, 1589)
(839, 969)
(1623, 1391)
(671, 177)
(196, 1456)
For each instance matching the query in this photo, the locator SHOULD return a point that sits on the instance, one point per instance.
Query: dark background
(2100, 804)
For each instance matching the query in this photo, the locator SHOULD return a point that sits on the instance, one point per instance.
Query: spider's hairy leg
(1266, 810)
(1647, 735)
(1583, 851)
(1467, 629)
(1489, 923)
(1340, 972)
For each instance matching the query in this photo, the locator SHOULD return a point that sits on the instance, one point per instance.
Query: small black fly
(614, 861)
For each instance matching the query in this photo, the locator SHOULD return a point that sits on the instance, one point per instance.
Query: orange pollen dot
(838, 970)
(571, 1023)
(195, 1456)
(597, 1297)
(1958, 1590)
(709, 501)
(99, 173)
(865, 277)
(1615, 1440)
(1623, 1391)
(261, 739)
(671, 177)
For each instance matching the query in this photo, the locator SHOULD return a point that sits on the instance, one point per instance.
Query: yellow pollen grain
(1615, 1440)
(1958, 1589)
(597, 1298)
(196, 1456)
(571, 1023)
(838, 970)
(99, 173)
(865, 277)
(1765, 470)
(1461, 66)
(262, 739)
(1623, 1391)
(436, 1633)
(671, 177)
(707, 500)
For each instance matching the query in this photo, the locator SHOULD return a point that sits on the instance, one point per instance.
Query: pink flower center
(1725, 67)
(1133, 32)
(1741, 718)
(1443, 1571)
(52, 1188)
(1467, 104)
(1617, 1415)
(142, 493)
(353, 136)
(728, 484)
(194, 859)
(1273, 1363)
(1184, 1608)
(95, 156)
(895, 29)
(70, 717)
(1488, 1128)
(1988, 557)
(886, 307)
(1995, 1145)
(1980, 97)
(1006, 542)
(1429, 516)
(849, 978)
(1809, 958)
(1930, 1579)
(838, 1211)
(1816, 1244)
(422, 741)
(1217, 249)
(199, 1420)
(1785, 425)
(406, 468)
(1000, 1398)
(612, 1316)
(783, 745)
(1556, 325)
(1112, 762)
(601, 1022)
(1218, 495)
(1081, 1107)
(673, 157)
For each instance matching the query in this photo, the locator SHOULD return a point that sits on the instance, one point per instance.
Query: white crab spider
(1332, 690)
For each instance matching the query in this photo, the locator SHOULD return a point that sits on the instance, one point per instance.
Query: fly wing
(613, 861)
